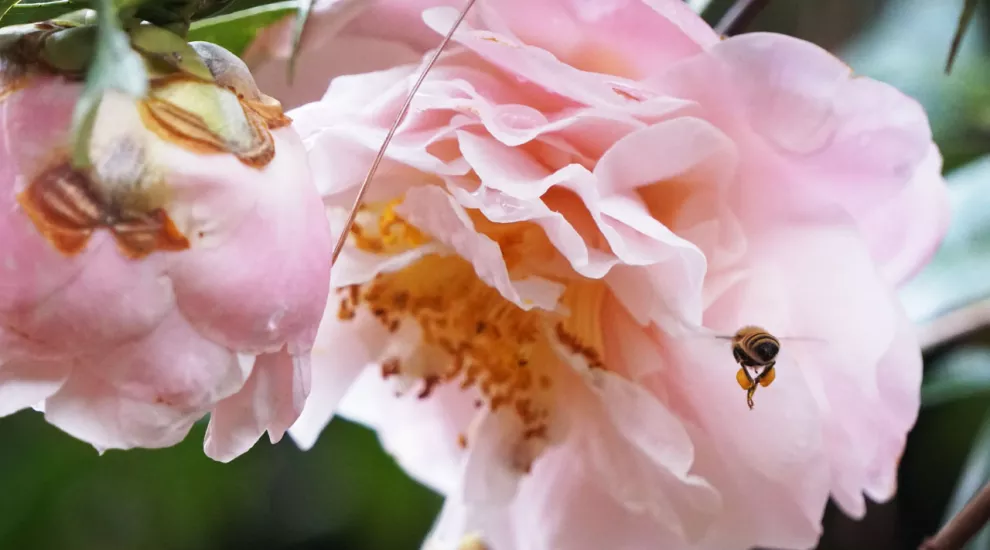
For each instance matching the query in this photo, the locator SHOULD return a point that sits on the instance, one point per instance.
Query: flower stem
(739, 16)
(964, 525)
(391, 131)
(699, 6)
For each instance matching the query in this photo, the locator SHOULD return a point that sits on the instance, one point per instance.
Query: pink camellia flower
(583, 196)
(185, 273)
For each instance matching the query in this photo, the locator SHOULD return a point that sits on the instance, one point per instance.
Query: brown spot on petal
(625, 94)
(140, 235)
(176, 125)
(62, 205)
(66, 208)
(189, 131)
(10, 86)
(391, 367)
(495, 39)
(271, 112)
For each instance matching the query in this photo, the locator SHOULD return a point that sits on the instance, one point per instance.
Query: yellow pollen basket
(490, 343)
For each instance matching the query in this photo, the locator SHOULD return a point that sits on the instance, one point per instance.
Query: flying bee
(754, 348)
(756, 351)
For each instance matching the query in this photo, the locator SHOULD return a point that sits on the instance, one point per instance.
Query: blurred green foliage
(235, 31)
(342, 494)
(347, 494)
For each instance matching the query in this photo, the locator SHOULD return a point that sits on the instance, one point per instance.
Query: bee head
(766, 350)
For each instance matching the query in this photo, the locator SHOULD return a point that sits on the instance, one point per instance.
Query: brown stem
(395, 126)
(969, 9)
(954, 324)
(739, 16)
(964, 525)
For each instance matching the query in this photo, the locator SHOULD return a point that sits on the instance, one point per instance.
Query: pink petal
(252, 308)
(854, 141)
(632, 234)
(630, 483)
(533, 63)
(147, 392)
(24, 384)
(323, 58)
(904, 232)
(621, 37)
(656, 474)
(271, 400)
(850, 299)
(421, 434)
(343, 349)
(435, 212)
(898, 379)
(745, 453)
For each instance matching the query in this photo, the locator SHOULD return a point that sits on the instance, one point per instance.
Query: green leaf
(975, 474)
(965, 18)
(235, 31)
(5, 6)
(962, 373)
(177, 15)
(24, 12)
(115, 67)
(305, 8)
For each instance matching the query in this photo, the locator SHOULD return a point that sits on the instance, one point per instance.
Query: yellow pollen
(483, 340)
(390, 235)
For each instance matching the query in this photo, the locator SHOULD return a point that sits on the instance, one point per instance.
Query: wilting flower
(185, 272)
(526, 306)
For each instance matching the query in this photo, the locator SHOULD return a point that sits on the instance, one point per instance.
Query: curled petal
(902, 251)
(271, 400)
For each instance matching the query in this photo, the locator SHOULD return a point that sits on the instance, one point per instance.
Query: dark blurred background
(57, 493)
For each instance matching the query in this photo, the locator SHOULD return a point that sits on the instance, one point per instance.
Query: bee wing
(802, 339)
(700, 332)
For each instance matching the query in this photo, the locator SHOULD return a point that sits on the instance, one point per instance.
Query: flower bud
(183, 273)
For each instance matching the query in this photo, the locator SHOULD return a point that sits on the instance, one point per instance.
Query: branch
(969, 10)
(739, 16)
(964, 525)
(954, 324)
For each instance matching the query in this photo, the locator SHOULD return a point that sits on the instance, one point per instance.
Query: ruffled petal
(533, 63)
(628, 38)
(343, 350)
(271, 400)
(146, 393)
(25, 384)
(633, 477)
(851, 140)
(904, 233)
(433, 211)
(421, 434)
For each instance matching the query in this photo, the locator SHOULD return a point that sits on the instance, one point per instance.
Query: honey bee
(757, 352)
(754, 349)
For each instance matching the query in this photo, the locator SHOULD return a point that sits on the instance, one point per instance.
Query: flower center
(468, 332)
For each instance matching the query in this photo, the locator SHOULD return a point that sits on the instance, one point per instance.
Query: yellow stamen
(484, 341)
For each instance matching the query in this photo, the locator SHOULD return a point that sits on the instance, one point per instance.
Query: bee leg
(744, 379)
(768, 375)
(747, 383)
